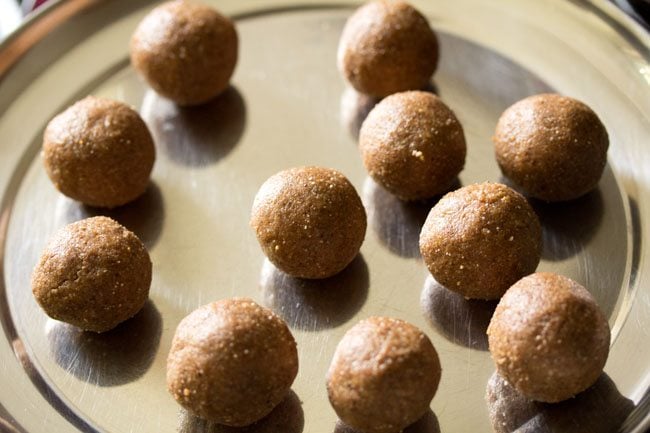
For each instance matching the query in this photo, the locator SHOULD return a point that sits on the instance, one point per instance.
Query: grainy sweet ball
(481, 239)
(99, 152)
(548, 337)
(186, 51)
(413, 145)
(309, 221)
(387, 47)
(552, 146)
(383, 376)
(231, 362)
(93, 274)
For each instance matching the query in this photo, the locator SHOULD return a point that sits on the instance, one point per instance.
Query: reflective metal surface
(288, 106)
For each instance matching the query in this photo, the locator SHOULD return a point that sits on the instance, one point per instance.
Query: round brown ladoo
(387, 47)
(309, 221)
(552, 146)
(231, 362)
(413, 145)
(548, 337)
(481, 239)
(93, 274)
(383, 376)
(99, 152)
(186, 51)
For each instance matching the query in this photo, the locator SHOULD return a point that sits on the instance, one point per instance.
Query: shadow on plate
(112, 358)
(144, 216)
(461, 321)
(397, 223)
(356, 106)
(427, 424)
(287, 417)
(314, 305)
(485, 74)
(599, 409)
(196, 136)
(567, 227)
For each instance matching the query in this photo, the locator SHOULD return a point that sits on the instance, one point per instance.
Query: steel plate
(288, 106)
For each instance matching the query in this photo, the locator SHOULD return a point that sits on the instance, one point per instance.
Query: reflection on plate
(287, 417)
(316, 304)
(599, 409)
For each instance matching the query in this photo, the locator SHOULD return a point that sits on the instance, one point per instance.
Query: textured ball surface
(309, 221)
(548, 337)
(481, 239)
(93, 274)
(99, 152)
(387, 47)
(552, 146)
(231, 362)
(383, 376)
(413, 145)
(186, 51)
